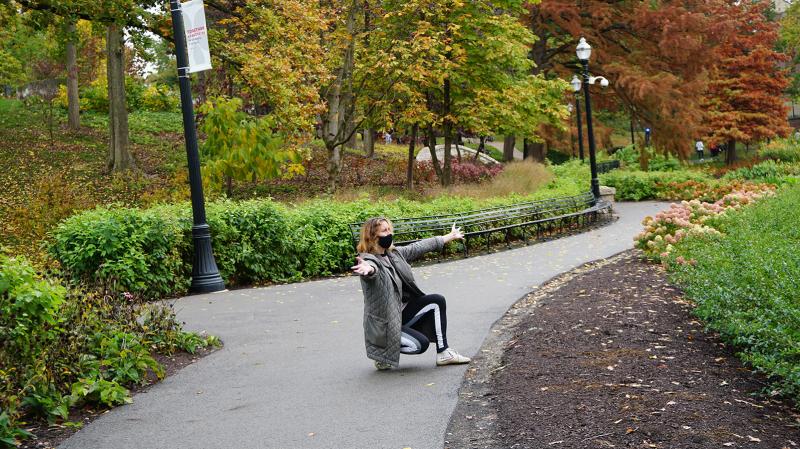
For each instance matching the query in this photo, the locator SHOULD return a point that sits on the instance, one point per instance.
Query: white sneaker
(450, 357)
(380, 366)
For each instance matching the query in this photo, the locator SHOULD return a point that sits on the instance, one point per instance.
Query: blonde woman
(398, 316)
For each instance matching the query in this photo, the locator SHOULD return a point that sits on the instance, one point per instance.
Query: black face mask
(385, 242)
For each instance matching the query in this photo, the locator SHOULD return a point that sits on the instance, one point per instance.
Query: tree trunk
(730, 154)
(447, 128)
(410, 168)
(535, 151)
(339, 100)
(525, 148)
(73, 101)
(434, 158)
(369, 143)
(508, 148)
(352, 141)
(481, 147)
(119, 156)
(644, 159)
(334, 167)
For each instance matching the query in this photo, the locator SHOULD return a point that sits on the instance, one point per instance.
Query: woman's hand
(455, 234)
(362, 267)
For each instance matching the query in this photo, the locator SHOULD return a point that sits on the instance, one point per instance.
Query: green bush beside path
(746, 283)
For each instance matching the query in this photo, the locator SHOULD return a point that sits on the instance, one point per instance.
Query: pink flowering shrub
(463, 172)
(690, 218)
(467, 171)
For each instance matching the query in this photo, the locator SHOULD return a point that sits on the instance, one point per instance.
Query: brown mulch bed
(49, 437)
(609, 355)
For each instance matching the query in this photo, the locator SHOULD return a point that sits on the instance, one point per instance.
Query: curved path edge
(472, 423)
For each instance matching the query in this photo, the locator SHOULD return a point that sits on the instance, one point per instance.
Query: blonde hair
(368, 241)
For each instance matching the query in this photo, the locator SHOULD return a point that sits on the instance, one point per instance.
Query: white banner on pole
(194, 25)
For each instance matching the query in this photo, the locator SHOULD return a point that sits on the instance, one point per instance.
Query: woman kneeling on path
(398, 316)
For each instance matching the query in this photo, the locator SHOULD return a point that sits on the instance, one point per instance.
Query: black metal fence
(522, 221)
(607, 166)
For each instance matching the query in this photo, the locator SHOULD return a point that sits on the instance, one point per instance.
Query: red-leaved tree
(653, 54)
(745, 94)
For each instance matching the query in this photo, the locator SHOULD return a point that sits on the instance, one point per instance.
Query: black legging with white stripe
(424, 319)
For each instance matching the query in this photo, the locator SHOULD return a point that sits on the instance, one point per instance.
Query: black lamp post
(576, 87)
(205, 274)
(584, 51)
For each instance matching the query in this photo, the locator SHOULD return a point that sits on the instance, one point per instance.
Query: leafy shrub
(129, 249)
(94, 97)
(241, 147)
(663, 163)
(556, 157)
(100, 391)
(745, 283)
(768, 171)
(637, 185)
(250, 241)
(630, 154)
(10, 434)
(786, 150)
(60, 346)
(122, 358)
(471, 172)
(28, 309)
(45, 400)
(160, 98)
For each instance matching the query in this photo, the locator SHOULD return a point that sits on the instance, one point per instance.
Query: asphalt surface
(293, 372)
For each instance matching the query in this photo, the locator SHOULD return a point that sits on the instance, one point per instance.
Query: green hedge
(639, 185)
(746, 284)
(148, 252)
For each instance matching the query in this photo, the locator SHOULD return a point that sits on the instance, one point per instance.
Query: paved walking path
(293, 373)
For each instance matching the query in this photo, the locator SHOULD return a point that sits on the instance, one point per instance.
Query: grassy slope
(45, 180)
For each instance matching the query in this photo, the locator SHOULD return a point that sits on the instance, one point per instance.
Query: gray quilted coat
(383, 293)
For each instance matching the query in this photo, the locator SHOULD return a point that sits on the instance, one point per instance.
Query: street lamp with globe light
(584, 52)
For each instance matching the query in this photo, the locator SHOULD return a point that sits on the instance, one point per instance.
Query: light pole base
(596, 188)
(205, 274)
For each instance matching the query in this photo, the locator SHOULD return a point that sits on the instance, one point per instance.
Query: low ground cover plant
(745, 278)
(61, 347)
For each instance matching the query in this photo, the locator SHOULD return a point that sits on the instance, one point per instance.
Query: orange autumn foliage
(745, 95)
(652, 52)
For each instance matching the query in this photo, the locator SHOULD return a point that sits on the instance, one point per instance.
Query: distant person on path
(398, 316)
(698, 146)
(387, 138)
